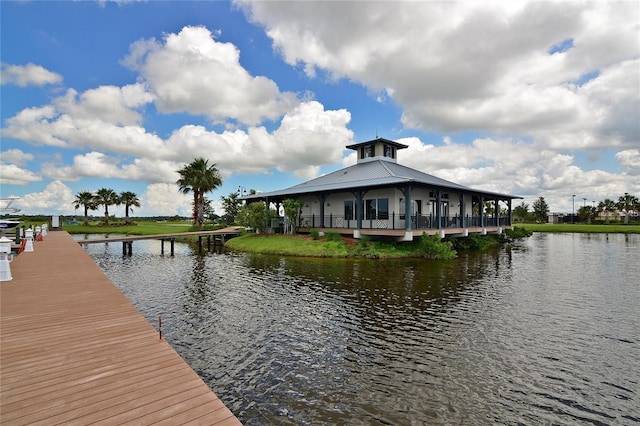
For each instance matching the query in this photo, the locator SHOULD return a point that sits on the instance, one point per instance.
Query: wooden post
(162, 247)
(208, 243)
(173, 240)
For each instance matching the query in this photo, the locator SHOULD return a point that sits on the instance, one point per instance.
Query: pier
(76, 351)
(127, 241)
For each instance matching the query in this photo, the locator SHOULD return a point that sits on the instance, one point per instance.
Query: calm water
(546, 331)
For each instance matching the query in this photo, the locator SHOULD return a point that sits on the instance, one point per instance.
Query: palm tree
(607, 206)
(186, 185)
(106, 197)
(627, 202)
(521, 212)
(128, 199)
(86, 199)
(199, 177)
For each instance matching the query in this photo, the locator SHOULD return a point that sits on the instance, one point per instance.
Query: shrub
(314, 234)
(432, 247)
(517, 232)
(474, 242)
(364, 241)
(333, 236)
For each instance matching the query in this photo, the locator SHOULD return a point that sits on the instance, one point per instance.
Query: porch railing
(395, 221)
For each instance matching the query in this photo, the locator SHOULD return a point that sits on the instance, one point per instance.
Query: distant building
(555, 217)
(380, 198)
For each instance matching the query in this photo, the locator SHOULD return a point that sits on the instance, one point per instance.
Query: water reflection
(542, 332)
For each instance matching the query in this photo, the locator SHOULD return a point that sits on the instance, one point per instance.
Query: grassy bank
(581, 228)
(302, 245)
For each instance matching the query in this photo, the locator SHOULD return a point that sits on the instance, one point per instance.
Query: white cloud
(192, 72)
(457, 66)
(308, 137)
(100, 165)
(166, 200)
(110, 104)
(630, 160)
(16, 156)
(12, 174)
(56, 198)
(520, 168)
(27, 75)
(101, 120)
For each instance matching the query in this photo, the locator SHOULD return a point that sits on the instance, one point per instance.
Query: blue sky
(532, 99)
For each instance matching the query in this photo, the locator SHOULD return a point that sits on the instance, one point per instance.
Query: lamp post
(242, 191)
(573, 208)
(266, 218)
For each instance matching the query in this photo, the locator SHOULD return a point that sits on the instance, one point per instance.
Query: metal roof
(370, 174)
(395, 144)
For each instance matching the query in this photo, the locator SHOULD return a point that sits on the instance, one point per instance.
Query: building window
(349, 210)
(389, 151)
(377, 208)
(366, 151)
(416, 208)
(444, 208)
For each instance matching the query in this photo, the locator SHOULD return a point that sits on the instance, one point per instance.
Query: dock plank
(74, 350)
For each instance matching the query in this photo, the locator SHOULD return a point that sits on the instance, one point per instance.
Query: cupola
(377, 149)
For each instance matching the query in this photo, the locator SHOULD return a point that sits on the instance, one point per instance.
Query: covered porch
(395, 226)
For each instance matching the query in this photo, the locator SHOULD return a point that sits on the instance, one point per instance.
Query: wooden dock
(74, 350)
(127, 241)
(225, 232)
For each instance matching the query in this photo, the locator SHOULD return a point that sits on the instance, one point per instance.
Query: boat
(7, 224)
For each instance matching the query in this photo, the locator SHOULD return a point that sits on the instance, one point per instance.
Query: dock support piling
(171, 241)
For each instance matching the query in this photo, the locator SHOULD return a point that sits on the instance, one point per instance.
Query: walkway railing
(395, 221)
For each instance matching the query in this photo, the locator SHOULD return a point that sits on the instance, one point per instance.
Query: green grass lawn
(288, 245)
(139, 228)
(302, 245)
(582, 228)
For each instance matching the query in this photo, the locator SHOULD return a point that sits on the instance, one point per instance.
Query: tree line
(627, 204)
(105, 197)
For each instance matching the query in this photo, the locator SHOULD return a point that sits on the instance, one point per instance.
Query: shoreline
(580, 228)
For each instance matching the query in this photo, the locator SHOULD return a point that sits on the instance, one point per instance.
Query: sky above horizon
(525, 98)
